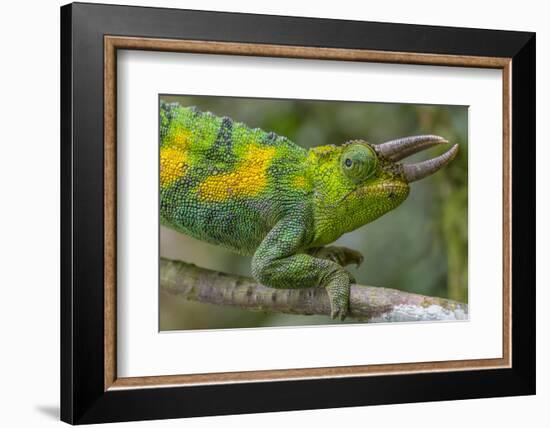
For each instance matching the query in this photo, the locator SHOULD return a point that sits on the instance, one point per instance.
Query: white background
(29, 226)
(142, 351)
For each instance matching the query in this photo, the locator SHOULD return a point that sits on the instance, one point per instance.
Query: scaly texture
(258, 193)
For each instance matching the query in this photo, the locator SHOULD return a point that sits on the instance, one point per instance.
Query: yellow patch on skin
(247, 180)
(173, 156)
(179, 138)
(300, 182)
(173, 165)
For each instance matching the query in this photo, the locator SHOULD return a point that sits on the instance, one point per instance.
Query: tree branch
(374, 304)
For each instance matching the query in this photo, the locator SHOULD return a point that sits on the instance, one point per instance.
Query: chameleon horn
(396, 150)
(417, 171)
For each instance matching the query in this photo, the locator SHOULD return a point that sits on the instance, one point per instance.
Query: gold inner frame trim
(113, 43)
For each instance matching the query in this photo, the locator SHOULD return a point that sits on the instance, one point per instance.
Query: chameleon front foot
(338, 289)
(341, 255)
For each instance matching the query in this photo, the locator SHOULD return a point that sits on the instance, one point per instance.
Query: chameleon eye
(359, 162)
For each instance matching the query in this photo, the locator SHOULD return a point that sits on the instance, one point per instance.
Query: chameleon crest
(259, 194)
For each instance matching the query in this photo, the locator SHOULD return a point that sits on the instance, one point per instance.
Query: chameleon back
(223, 182)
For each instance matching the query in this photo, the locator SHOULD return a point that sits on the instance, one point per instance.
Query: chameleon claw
(353, 257)
(338, 314)
(338, 289)
(341, 255)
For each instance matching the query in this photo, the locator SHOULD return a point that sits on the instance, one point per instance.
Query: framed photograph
(265, 213)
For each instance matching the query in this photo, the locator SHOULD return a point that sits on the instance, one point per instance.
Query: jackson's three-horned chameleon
(258, 193)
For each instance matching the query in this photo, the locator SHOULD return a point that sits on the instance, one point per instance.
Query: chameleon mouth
(401, 148)
(394, 191)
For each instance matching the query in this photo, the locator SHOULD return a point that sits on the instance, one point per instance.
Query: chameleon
(259, 194)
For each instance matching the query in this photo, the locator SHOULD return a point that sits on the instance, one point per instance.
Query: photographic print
(304, 212)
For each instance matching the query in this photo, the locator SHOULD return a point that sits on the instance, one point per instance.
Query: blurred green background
(420, 247)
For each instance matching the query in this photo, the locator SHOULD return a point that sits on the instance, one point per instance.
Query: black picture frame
(83, 396)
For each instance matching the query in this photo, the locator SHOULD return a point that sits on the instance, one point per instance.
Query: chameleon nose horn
(396, 150)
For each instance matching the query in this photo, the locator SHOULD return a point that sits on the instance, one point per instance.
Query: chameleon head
(370, 180)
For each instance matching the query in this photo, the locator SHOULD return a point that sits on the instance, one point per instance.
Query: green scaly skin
(259, 194)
